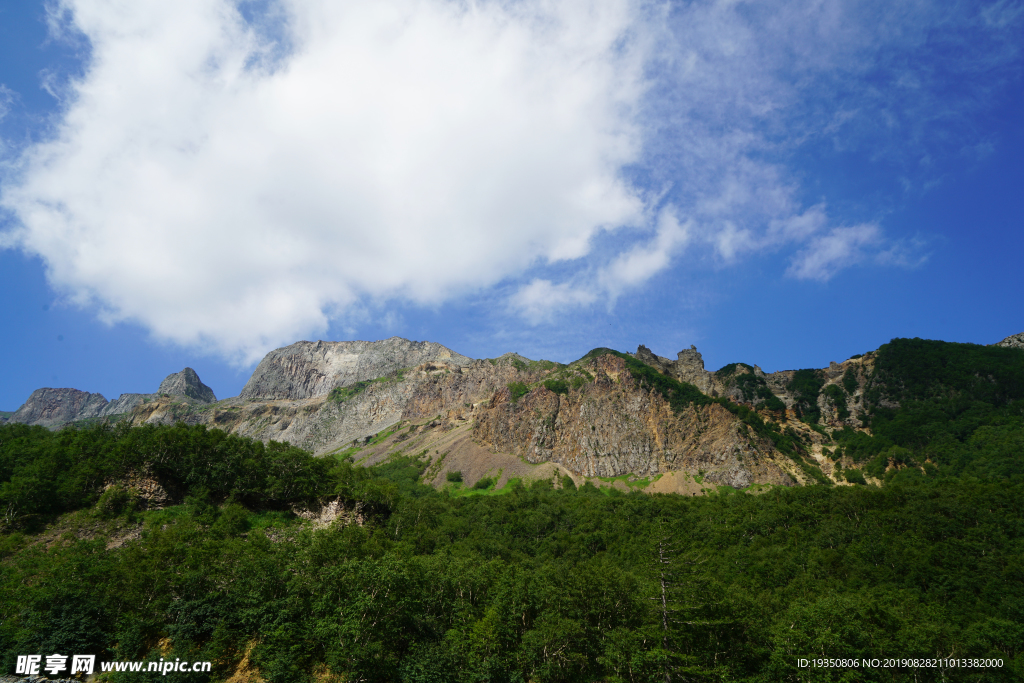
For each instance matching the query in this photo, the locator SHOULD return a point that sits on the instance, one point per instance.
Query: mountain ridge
(603, 416)
(55, 407)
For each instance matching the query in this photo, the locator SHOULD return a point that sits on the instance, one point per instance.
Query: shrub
(233, 520)
(518, 390)
(854, 477)
(559, 386)
(730, 369)
(806, 385)
(341, 394)
(850, 381)
(455, 476)
(116, 501)
(773, 403)
(484, 483)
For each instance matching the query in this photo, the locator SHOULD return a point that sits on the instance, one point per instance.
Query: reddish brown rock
(612, 427)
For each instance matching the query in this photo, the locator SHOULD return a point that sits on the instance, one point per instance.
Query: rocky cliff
(613, 426)
(313, 369)
(125, 403)
(836, 392)
(433, 389)
(187, 384)
(604, 425)
(53, 407)
(688, 367)
(598, 421)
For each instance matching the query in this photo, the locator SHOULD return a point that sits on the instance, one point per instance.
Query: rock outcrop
(612, 427)
(452, 391)
(591, 418)
(688, 367)
(53, 407)
(316, 424)
(312, 369)
(187, 384)
(1014, 341)
(125, 403)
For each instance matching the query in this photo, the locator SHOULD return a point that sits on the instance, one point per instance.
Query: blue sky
(784, 184)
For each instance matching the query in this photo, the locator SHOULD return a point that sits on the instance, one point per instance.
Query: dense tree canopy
(529, 583)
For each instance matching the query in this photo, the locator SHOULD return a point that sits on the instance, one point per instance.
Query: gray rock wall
(125, 403)
(54, 407)
(187, 383)
(311, 369)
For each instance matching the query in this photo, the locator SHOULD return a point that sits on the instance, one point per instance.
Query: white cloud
(7, 97)
(642, 261)
(540, 300)
(404, 148)
(840, 248)
(237, 185)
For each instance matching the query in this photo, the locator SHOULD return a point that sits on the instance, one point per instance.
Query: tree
(686, 615)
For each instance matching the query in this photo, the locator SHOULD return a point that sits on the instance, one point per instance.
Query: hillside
(498, 527)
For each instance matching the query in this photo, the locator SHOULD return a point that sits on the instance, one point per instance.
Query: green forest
(534, 582)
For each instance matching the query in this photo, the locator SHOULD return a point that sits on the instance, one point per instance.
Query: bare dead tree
(682, 602)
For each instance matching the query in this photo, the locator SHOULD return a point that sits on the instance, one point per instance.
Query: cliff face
(187, 383)
(605, 425)
(592, 419)
(456, 390)
(125, 403)
(312, 369)
(316, 424)
(612, 427)
(431, 389)
(52, 407)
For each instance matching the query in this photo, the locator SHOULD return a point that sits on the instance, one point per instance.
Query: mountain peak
(187, 383)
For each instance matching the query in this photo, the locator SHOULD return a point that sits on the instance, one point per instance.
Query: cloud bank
(235, 184)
